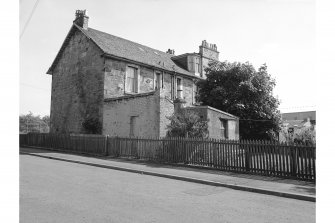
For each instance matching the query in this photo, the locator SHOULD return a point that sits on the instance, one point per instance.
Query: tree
(187, 123)
(239, 89)
(34, 123)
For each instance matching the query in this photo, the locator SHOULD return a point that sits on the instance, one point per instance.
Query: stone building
(125, 88)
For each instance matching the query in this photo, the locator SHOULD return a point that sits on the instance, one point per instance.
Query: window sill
(131, 93)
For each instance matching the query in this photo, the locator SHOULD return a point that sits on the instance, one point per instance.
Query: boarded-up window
(179, 88)
(131, 80)
(224, 128)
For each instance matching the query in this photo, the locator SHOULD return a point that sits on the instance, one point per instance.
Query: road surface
(57, 191)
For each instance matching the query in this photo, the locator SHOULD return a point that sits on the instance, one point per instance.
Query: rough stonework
(149, 112)
(114, 78)
(166, 109)
(215, 118)
(77, 86)
(143, 109)
(122, 87)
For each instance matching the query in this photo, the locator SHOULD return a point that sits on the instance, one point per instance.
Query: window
(224, 128)
(131, 80)
(197, 65)
(172, 87)
(195, 93)
(158, 80)
(179, 88)
(191, 63)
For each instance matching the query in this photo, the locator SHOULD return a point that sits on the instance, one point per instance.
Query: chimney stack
(209, 50)
(81, 19)
(170, 51)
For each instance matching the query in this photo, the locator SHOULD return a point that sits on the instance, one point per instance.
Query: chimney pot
(81, 19)
(170, 51)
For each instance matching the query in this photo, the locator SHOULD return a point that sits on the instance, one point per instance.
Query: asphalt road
(57, 191)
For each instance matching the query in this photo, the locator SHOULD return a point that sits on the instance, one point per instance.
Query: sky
(280, 33)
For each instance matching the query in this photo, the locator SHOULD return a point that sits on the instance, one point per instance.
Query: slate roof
(295, 123)
(299, 115)
(122, 48)
(214, 109)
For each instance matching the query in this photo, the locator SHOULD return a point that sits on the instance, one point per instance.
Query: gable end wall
(77, 86)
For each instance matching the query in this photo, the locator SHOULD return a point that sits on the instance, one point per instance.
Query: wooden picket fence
(246, 156)
(79, 143)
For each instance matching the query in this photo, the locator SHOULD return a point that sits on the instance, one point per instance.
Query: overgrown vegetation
(187, 123)
(92, 126)
(34, 123)
(240, 89)
(305, 135)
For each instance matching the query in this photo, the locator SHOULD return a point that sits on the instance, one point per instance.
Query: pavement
(56, 191)
(288, 188)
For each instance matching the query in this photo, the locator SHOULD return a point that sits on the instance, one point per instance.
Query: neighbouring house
(297, 120)
(125, 88)
(293, 122)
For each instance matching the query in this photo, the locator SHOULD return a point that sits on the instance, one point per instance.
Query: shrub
(187, 124)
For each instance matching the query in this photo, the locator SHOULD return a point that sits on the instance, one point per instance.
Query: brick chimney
(81, 19)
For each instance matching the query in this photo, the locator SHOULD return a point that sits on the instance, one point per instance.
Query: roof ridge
(167, 54)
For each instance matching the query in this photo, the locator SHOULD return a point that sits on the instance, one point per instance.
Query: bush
(92, 126)
(187, 124)
(304, 135)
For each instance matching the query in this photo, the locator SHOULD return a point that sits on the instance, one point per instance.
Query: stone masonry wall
(114, 78)
(166, 110)
(149, 109)
(214, 122)
(115, 72)
(77, 86)
(118, 113)
(188, 91)
(214, 125)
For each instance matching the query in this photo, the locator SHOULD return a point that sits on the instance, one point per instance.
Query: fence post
(294, 162)
(106, 145)
(246, 150)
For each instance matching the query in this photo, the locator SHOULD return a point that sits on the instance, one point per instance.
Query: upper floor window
(191, 63)
(179, 88)
(158, 80)
(197, 65)
(132, 80)
(173, 87)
